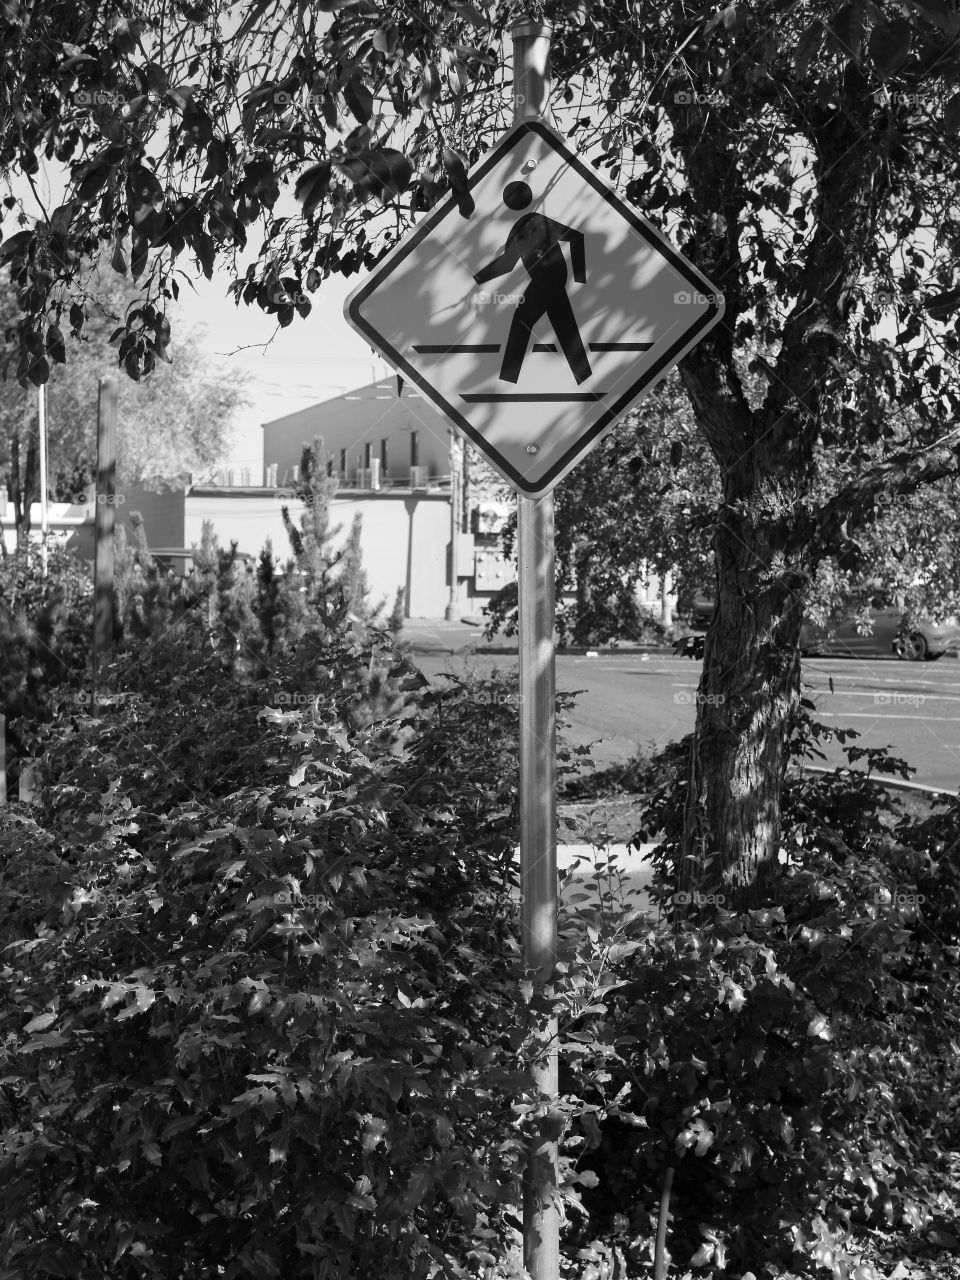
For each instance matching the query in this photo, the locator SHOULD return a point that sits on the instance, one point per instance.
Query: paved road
(631, 702)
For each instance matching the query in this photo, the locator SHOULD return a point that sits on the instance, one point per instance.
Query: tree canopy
(169, 425)
(802, 154)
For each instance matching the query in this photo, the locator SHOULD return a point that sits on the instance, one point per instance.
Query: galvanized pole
(42, 416)
(538, 800)
(103, 529)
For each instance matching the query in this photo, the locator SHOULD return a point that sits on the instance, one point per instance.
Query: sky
(313, 359)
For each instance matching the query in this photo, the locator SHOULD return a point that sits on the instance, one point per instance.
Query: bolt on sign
(537, 322)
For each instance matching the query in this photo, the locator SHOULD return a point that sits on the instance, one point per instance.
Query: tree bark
(747, 701)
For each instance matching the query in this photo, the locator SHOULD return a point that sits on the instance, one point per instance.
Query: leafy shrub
(263, 1007)
(45, 630)
(790, 1064)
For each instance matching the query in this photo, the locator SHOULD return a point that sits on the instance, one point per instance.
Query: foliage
(45, 629)
(174, 424)
(804, 159)
(642, 504)
(789, 1063)
(263, 1008)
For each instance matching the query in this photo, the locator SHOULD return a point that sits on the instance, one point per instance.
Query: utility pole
(538, 746)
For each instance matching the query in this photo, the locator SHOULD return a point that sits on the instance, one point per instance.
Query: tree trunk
(747, 700)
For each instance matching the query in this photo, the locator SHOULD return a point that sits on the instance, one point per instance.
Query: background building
(431, 509)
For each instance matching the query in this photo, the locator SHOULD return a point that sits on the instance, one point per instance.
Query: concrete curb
(501, 651)
(895, 784)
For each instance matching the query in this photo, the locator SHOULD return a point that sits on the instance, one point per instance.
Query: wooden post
(103, 605)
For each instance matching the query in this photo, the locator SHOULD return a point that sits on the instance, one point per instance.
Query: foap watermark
(101, 499)
(283, 98)
(692, 898)
(688, 297)
(496, 698)
(893, 699)
(885, 897)
(695, 98)
(102, 898)
(292, 898)
(291, 698)
(97, 98)
(894, 98)
(893, 499)
(685, 699)
(105, 699)
(484, 296)
(281, 297)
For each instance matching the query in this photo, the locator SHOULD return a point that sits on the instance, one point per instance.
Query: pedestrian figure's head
(517, 195)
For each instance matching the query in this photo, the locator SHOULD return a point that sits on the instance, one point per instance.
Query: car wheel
(915, 647)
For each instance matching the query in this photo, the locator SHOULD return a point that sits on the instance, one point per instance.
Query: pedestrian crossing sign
(537, 322)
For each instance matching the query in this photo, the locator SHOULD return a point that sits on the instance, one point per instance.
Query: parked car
(928, 639)
(702, 611)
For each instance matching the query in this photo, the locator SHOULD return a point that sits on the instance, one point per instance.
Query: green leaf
(41, 1022)
(429, 86)
(890, 44)
(139, 246)
(808, 46)
(942, 305)
(312, 186)
(197, 126)
(38, 371)
(847, 30)
(55, 347)
(218, 160)
(455, 165)
(359, 99)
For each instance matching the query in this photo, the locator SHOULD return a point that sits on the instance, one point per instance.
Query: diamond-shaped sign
(535, 323)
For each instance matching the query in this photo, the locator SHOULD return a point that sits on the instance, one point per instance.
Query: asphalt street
(634, 701)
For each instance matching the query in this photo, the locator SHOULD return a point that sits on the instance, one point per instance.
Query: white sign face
(535, 323)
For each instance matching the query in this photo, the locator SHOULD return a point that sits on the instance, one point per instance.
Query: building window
(343, 463)
(330, 465)
(414, 448)
(367, 454)
(383, 457)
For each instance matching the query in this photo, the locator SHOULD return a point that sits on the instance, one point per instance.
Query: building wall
(367, 415)
(405, 538)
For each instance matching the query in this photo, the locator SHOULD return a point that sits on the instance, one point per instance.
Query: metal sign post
(538, 767)
(534, 371)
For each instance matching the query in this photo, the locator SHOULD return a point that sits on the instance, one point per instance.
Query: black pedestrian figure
(535, 241)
